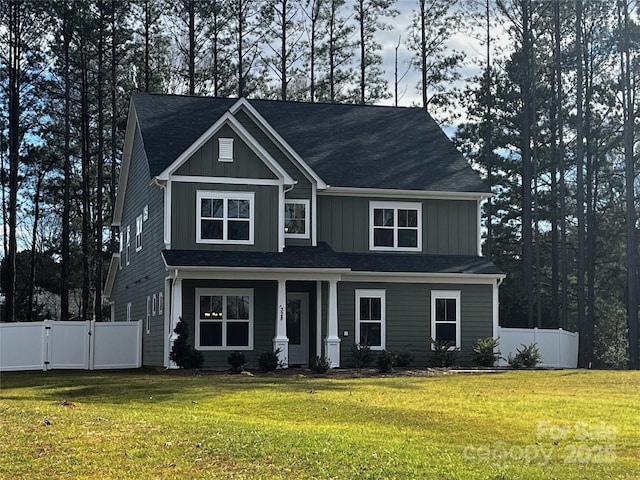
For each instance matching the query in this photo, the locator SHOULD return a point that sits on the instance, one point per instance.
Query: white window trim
(121, 249)
(128, 244)
(362, 293)
(395, 206)
(154, 305)
(225, 150)
(211, 194)
(148, 317)
(224, 293)
(129, 312)
(160, 303)
(446, 294)
(139, 221)
(307, 205)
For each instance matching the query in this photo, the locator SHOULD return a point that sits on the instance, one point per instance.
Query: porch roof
(320, 257)
(323, 257)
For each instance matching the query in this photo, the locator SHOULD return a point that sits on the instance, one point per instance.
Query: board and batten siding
(408, 317)
(145, 274)
(303, 184)
(449, 227)
(246, 163)
(265, 295)
(183, 216)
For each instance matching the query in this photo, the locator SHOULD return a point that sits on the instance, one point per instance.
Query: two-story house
(302, 227)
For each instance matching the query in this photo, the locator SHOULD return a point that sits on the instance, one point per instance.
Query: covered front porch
(291, 310)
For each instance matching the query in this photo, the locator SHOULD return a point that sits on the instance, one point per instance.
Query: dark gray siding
(246, 163)
(448, 226)
(145, 274)
(183, 216)
(274, 151)
(408, 317)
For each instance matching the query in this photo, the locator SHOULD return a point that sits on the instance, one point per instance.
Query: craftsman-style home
(300, 228)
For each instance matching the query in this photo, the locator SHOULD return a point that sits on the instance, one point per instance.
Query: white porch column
(332, 342)
(176, 313)
(281, 341)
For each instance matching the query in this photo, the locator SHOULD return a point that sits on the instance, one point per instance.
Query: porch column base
(332, 351)
(282, 344)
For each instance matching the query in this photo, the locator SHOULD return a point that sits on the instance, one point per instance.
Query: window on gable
(395, 226)
(138, 233)
(225, 149)
(296, 218)
(445, 317)
(370, 318)
(224, 217)
(224, 319)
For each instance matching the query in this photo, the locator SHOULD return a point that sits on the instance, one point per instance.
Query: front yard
(141, 424)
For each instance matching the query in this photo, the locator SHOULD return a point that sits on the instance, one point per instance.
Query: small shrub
(527, 357)
(484, 352)
(403, 358)
(182, 353)
(444, 354)
(361, 355)
(269, 361)
(320, 365)
(386, 360)
(237, 361)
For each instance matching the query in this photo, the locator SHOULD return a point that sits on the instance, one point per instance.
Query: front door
(298, 328)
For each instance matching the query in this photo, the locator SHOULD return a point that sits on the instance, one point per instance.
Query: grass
(144, 425)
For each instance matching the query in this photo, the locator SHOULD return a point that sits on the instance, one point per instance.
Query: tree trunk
(583, 353)
(66, 207)
(15, 52)
(527, 122)
(632, 239)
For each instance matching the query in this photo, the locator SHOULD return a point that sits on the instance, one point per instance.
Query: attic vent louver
(225, 149)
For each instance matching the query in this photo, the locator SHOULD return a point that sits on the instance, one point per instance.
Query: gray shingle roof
(359, 146)
(323, 257)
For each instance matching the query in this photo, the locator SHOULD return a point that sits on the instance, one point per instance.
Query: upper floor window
(445, 317)
(121, 248)
(138, 233)
(225, 149)
(225, 217)
(395, 226)
(296, 218)
(370, 318)
(128, 244)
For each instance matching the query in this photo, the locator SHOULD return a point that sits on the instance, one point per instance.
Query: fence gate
(81, 345)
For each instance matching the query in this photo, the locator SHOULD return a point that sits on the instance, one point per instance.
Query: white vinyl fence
(558, 348)
(87, 345)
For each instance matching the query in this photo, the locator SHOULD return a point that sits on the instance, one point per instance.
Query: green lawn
(515, 425)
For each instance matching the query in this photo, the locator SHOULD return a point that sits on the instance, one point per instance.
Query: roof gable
(349, 146)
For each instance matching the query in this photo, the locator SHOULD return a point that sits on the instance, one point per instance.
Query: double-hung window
(128, 244)
(370, 318)
(138, 233)
(445, 317)
(395, 226)
(296, 218)
(225, 217)
(224, 319)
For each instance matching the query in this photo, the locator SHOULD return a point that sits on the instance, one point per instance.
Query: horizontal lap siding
(449, 226)
(145, 274)
(264, 315)
(183, 216)
(408, 317)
